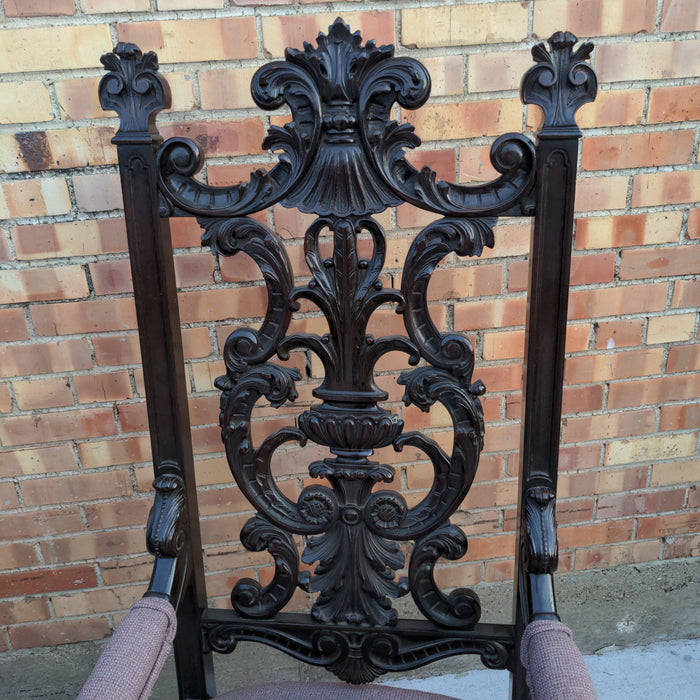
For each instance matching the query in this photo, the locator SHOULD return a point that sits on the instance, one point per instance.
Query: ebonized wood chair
(342, 159)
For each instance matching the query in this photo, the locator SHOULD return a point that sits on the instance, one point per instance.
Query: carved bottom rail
(360, 654)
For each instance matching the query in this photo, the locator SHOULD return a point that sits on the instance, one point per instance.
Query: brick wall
(75, 475)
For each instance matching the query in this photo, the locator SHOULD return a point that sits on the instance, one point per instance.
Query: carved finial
(135, 90)
(561, 82)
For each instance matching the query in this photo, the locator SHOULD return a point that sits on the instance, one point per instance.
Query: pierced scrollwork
(541, 552)
(134, 89)
(450, 351)
(248, 597)
(561, 82)
(166, 530)
(461, 608)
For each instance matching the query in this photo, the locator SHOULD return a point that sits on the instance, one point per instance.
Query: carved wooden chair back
(342, 159)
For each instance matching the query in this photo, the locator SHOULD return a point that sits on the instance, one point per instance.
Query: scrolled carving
(248, 597)
(561, 81)
(460, 609)
(495, 655)
(166, 530)
(541, 552)
(135, 90)
(222, 639)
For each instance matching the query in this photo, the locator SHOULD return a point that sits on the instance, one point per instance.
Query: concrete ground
(637, 625)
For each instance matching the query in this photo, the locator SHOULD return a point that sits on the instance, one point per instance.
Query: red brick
(117, 571)
(87, 486)
(111, 277)
(617, 301)
(683, 358)
(637, 150)
(648, 60)
(592, 269)
(612, 108)
(79, 317)
(221, 304)
(618, 334)
(580, 399)
(578, 457)
(61, 356)
(497, 314)
(94, 545)
(50, 427)
(98, 192)
(680, 417)
(628, 230)
(660, 262)
(37, 8)
(608, 425)
(48, 580)
(650, 392)
(39, 461)
(667, 525)
(13, 325)
(461, 282)
(584, 369)
(674, 104)
(105, 453)
(595, 534)
(625, 505)
(680, 16)
(58, 632)
(681, 547)
(110, 386)
(43, 393)
(66, 239)
(574, 511)
(616, 555)
(223, 137)
(26, 610)
(194, 269)
(489, 72)
(686, 293)
(8, 497)
(133, 417)
(33, 524)
(5, 398)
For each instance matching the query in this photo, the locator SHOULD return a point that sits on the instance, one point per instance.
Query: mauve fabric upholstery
(133, 658)
(327, 691)
(555, 667)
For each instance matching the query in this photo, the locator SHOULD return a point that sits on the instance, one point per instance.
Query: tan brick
(499, 313)
(195, 269)
(594, 17)
(43, 284)
(226, 88)
(651, 189)
(615, 480)
(189, 4)
(671, 473)
(667, 525)
(82, 487)
(43, 393)
(649, 392)
(694, 223)
(628, 230)
(49, 427)
(42, 197)
(680, 16)
(582, 398)
(62, 356)
(187, 40)
(619, 334)
(461, 282)
(98, 192)
(595, 534)
(637, 150)
(221, 137)
(40, 523)
(600, 193)
(680, 417)
(617, 365)
(654, 60)
(658, 262)
(94, 602)
(463, 25)
(37, 8)
(70, 238)
(8, 497)
(616, 555)
(117, 350)
(22, 103)
(489, 72)
(54, 632)
(608, 425)
(681, 547)
(105, 453)
(671, 328)
(85, 316)
(280, 32)
(111, 277)
(220, 304)
(651, 448)
(5, 398)
(110, 386)
(118, 514)
(446, 74)
(612, 108)
(616, 301)
(592, 269)
(99, 6)
(39, 461)
(467, 119)
(674, 104)
(26, 610)
(13, 325)
(62, 47)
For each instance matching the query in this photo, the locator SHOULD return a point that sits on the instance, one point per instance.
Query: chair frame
(341, 94)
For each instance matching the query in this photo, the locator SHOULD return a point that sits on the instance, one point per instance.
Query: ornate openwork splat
(342, 158)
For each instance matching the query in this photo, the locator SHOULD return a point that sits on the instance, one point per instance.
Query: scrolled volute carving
(561, 82)
(541, 552)
(166, 530)
(135, 90)
(460, 609)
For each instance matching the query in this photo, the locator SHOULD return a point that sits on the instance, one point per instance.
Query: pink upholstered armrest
(133, 658)
(555, 667)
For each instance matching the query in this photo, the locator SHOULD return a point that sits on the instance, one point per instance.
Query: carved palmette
(342, 159)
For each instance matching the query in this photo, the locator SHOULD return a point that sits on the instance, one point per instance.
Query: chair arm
(133, 658)
(555, 666)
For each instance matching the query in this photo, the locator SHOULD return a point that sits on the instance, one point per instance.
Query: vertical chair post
(560, 83)
(134, 89)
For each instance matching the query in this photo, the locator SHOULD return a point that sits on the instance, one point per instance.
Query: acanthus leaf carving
(541, 553)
